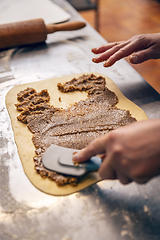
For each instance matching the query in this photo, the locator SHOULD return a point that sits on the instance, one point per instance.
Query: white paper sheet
(21, 10)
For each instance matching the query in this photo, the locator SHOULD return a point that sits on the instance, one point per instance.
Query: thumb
(140, 57)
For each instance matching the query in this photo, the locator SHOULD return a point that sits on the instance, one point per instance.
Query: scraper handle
(31, 31)
(93, 164)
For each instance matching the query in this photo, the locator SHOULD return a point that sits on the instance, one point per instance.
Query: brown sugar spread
(73, 127)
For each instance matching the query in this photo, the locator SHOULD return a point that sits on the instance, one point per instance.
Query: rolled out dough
(23, 137)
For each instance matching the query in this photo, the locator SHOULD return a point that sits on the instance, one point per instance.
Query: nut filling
(73, 127)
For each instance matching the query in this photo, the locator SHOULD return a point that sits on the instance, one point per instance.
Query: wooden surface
(120, 20)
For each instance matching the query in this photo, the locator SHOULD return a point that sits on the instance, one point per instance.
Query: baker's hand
(132, 153)
(140, 48)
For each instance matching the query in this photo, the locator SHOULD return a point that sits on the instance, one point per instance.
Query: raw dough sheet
(23, 137)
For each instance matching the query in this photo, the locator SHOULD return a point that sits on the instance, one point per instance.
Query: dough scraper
(59, 159)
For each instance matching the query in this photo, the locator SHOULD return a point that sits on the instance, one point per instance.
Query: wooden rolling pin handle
(32, 31)
(68, 26)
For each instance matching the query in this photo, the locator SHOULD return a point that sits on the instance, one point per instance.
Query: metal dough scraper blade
(59, 159)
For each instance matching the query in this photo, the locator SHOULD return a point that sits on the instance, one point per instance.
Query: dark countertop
(106, 210)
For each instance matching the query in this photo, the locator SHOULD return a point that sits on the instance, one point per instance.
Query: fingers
(104, 48)
(123, 178)
(94, 148)
(120, 53)
(110, 169)
(106, 171)
(109, 51)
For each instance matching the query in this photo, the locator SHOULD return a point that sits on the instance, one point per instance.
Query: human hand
(140, 48)
(132, 152)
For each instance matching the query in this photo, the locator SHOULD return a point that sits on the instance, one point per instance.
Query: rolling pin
(31, 31)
